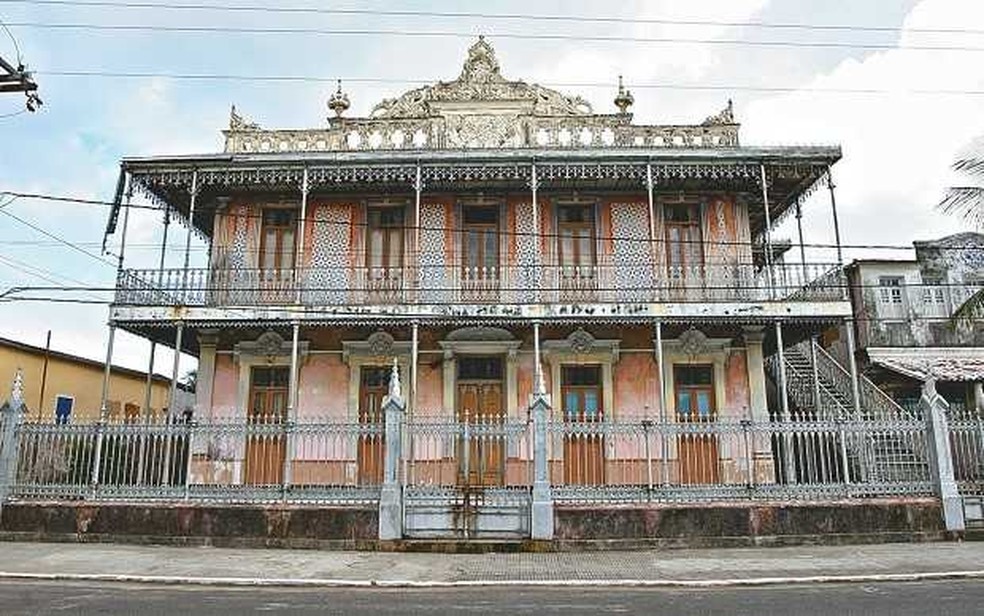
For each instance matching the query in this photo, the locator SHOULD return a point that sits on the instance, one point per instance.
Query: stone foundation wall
(614, 527)
(722, 525)
(192, 524)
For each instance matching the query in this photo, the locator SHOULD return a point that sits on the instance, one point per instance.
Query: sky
(898, 133)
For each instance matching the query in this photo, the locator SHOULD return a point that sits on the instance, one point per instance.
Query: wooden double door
(697, 451)
(370, 451)
(584, 448)
(266, 447)
(481, 450)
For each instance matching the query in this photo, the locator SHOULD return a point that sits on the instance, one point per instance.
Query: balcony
(603, 283)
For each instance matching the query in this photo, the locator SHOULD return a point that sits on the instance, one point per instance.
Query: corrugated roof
(943, 364)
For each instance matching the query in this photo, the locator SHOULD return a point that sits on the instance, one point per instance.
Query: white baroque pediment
(481, 82)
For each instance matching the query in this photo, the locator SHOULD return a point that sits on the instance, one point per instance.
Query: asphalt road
(953, 598)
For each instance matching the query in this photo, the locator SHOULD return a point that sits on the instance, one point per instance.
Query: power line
(38, 272)
(288, 10)
(93, 27)
(13, 40)
(26, 269)
(564, 85)
(310, 218)
(57, 238)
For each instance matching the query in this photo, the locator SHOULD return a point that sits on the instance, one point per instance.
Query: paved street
(953, 598)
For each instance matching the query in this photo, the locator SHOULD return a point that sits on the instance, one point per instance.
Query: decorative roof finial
(238, 122)
(339, 101)
(481, 66)
(725, 116)
(624, 99)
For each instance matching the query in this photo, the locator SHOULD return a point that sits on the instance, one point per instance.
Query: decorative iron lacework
(632, 250)
(526, 254)
(328, 273)
(239, 257)
(432, 271)
(141, 327)
(156, 182)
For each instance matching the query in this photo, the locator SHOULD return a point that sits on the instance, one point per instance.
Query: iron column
(849, 323)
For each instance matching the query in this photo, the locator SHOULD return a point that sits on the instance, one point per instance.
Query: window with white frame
(934, 294)
(890, 289)
(891, 300)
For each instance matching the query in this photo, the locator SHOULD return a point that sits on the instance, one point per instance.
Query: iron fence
(234, 459)
(447, 459)
(967, 447)
(653, 461)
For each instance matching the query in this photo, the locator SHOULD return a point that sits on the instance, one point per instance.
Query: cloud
(644, 62)
(897, 147)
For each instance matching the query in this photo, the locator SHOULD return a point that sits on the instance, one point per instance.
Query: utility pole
(19, 79)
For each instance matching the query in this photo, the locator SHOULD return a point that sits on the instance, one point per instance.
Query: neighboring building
(904, 331)
(474, 231)
(73, 385)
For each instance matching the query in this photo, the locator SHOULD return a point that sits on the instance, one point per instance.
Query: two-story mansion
(488, 235)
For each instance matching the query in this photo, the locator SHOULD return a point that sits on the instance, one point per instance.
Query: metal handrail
(872, 397)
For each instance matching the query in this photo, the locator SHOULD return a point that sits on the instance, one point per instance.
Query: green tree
(967, 202)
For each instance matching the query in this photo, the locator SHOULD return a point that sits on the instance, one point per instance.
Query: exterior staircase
(819, 388)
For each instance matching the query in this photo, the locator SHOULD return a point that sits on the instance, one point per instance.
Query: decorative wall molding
(269, 346)
(379, 346)
(582, 344)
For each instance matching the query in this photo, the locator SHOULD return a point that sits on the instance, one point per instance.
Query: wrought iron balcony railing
(514, 284)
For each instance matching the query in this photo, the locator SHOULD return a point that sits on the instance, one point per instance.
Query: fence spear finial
(395, 391)
(17, 390)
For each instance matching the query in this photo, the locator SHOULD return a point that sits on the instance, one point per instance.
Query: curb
(166, 580)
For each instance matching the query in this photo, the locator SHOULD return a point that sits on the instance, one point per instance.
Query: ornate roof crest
(481, 82)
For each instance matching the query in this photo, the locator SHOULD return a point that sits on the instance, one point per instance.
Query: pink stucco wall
(225, 388)
(636, 386)
(736, 387)
(323, 388)
(430, 392)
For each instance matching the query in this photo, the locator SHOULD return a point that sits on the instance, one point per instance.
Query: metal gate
(467, 478)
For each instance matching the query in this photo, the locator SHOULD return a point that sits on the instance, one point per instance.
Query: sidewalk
(196, 565)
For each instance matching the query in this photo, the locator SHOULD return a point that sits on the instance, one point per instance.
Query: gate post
(934, 408)
(391, 495)
(541, 514)
(11, 415)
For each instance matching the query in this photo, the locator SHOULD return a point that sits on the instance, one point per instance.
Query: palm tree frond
(970, 165)
(971, 309)
(966, 202)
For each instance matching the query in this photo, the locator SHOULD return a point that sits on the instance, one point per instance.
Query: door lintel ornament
(579, 343)
(270, 346)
